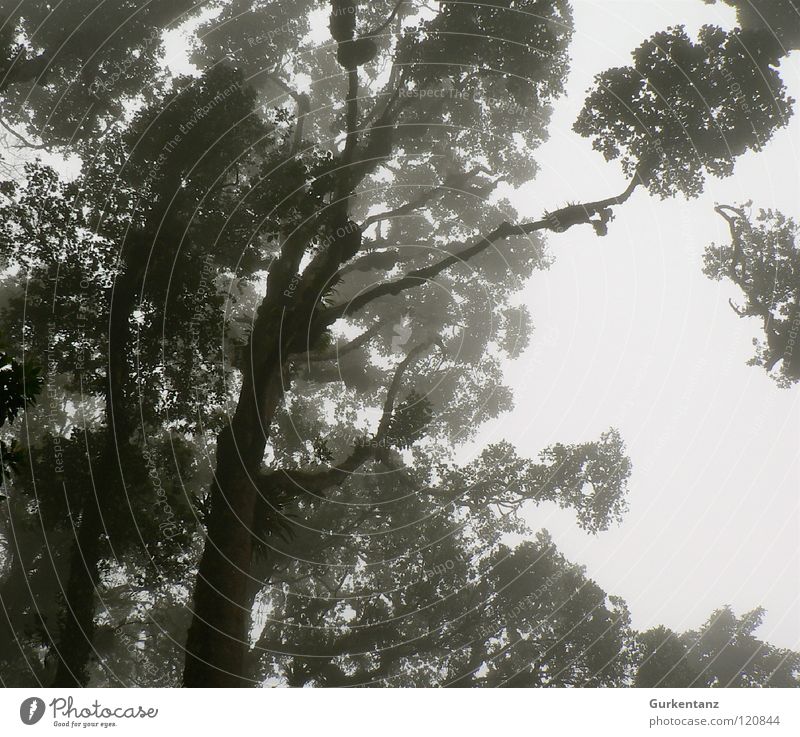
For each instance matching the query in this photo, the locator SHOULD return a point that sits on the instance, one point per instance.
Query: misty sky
(631, 334)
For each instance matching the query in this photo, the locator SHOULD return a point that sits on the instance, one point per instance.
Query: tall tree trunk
(217, 641)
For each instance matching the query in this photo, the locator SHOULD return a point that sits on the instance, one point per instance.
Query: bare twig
(24, 141)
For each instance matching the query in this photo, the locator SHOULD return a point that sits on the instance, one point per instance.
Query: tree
(776, 17)
(723, 653)
(415, 585)
(365, 210)
(20, 383)
(295, 313)
(67, 69)
(685, 109)
(764, 262)
(97, 255)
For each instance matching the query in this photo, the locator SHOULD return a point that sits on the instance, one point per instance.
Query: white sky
(633, 335)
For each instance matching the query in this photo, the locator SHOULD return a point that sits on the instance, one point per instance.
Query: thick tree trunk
(216, 644)
(217, 641)
(18, 601)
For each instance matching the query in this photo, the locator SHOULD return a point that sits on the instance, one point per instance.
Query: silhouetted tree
(687, 108)
(723, 653)
(764, 262)
(68, 69)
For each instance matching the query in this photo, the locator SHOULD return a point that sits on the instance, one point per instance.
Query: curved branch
(317, 482)
(386, 23)
(24, 141)
(755, 306)
(454, 180)
(419, 277)
(585, 213)
(394, 387)
(362, 339)
(736, 243)
(738, 310)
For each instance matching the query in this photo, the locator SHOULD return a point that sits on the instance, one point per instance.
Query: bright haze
(631, 334)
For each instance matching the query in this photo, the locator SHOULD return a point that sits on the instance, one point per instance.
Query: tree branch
(504, 230)
(365, 337)
(303, 109)
(394, 387)
(24, 141)
(454, 180)
(421, 276)
(386, 23)
(317, 482)
(735, 242)
(383, 259)
(755, 307)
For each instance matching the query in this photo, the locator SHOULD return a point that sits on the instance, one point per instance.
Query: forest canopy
(256, 302)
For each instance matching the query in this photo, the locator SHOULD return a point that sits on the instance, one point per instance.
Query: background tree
(688, 108)
(776, 17)
(723, 653)
(405, 578)
(98, 254)
(764, 262)
(20, 383)
(67, 70)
